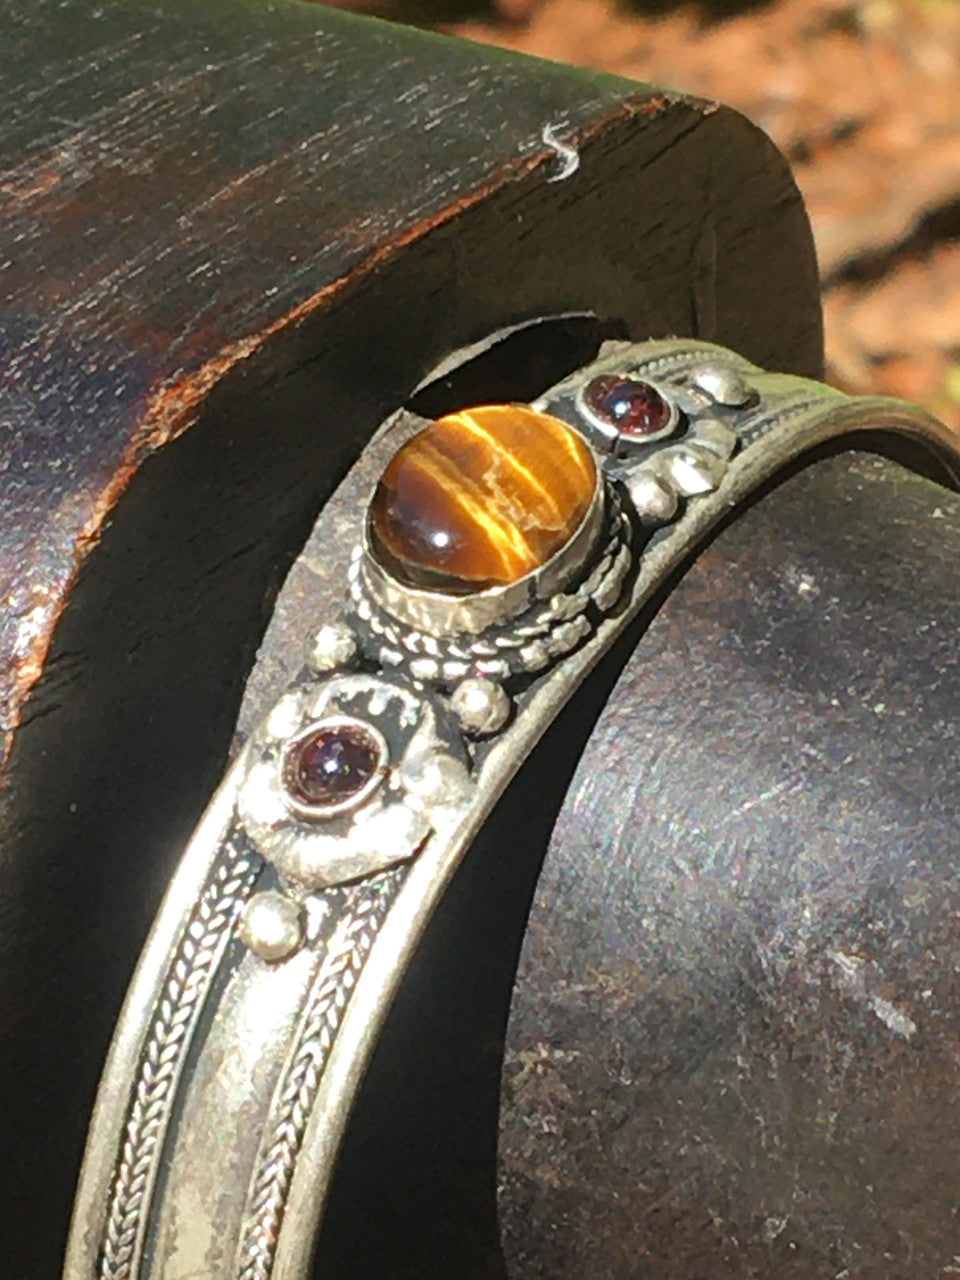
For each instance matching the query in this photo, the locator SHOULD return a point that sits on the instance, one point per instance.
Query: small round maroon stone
(329, 766)
(635, 408)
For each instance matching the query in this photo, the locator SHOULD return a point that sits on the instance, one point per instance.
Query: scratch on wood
(859, 978)
(569, 157)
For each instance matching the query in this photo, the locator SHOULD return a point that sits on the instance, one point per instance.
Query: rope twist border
(187, 980)
(296, 1092)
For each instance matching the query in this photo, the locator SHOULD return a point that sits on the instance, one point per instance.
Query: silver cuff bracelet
(501, 552)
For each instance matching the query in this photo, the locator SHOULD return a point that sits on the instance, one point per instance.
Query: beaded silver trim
(524, 646)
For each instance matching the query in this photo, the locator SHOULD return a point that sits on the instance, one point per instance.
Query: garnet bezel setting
(414, 740)
(616, 437)
(346, 727)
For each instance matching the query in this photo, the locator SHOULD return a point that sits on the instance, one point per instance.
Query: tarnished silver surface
(233, 1069)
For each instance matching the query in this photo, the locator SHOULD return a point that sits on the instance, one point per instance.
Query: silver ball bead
(283, 718)
(271, 925)
(695, 472)
(723, 384)
(655, 499)
(333, 646)
(481, 705)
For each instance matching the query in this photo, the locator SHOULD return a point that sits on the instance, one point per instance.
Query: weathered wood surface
(232, 237)
(180, 187)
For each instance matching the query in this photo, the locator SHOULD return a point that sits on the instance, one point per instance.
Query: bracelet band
(502, 552)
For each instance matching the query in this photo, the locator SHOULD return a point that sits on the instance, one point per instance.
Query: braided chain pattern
(675, 363)
(199, 950)
(528, 644)
(349, 948)
(761, 424)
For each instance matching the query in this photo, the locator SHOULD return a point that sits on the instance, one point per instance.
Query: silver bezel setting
(384, 824)
(322, 812)
(525, 643)
(613, 437)
(443, 614)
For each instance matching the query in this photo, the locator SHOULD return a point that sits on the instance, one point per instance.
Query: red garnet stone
(632, 407)
(330, 765)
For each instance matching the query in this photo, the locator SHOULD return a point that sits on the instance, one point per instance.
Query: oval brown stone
(480, 499)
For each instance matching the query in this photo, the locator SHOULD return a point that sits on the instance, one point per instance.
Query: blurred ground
(863, 97)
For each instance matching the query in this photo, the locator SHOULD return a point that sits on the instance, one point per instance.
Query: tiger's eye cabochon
(480, 499)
